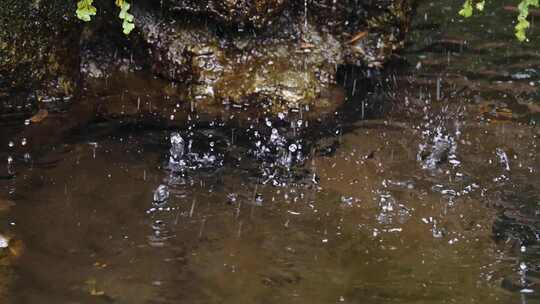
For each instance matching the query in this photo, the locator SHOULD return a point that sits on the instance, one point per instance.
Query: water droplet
(259, 199)
(232, 197)
(23, 142)
(11, 144)
(293, 148)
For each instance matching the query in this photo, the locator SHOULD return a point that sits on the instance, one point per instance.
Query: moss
(38, 44)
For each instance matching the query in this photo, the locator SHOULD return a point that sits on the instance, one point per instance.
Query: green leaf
(467, 9)
(480, 5)
(128, 27)
(85, 10)
(522, 23)
(127, 18)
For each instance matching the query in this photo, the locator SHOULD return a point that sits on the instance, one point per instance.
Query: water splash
(439, 147)
(161, 195)
(177, 151)
(503, 159)
(182, 157)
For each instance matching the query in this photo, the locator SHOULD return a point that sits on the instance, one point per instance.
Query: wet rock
(256, 12)
(283, 52)
(38, 51)
(280, 53)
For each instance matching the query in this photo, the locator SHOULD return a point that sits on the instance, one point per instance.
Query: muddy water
(432, 198)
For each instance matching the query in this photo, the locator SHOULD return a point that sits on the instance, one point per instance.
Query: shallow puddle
(433, 198)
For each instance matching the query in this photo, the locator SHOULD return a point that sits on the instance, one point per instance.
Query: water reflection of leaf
(495, 112)
(92, 287)
(39, 116)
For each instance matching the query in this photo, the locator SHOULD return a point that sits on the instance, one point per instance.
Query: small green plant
(523, 12)
(86, 9)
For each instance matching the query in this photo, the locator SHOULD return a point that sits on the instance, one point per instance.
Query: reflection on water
(434, 201)
(369, 221)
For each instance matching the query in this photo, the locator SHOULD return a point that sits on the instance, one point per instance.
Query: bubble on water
(11, 144)
(347, 200)
(23, 142)
(293, 148)
(259, 199)
(232, 198)
(161, 194)
(268, 123)
(274, 136)
(276, 139)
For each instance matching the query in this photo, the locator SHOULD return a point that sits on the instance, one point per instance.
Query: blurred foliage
(523, 12)
(86, 9)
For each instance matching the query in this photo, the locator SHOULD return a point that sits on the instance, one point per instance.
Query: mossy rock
(278, 51)
(38, 50)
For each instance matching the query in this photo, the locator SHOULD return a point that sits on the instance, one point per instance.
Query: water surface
(424, 188)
